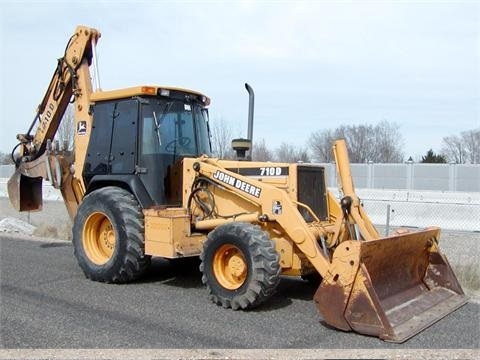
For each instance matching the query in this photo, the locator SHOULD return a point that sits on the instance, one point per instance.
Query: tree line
(379, 143)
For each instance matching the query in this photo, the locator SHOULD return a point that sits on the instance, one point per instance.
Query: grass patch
(468, 275)
(46, 231)
(63, 232)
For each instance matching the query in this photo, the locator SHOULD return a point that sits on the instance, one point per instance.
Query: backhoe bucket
(392, 288)
(25, 193)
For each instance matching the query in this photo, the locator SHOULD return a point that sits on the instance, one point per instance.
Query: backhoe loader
(141, 182)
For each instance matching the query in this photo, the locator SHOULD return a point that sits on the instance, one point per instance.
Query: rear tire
(108, 236)
(240, 266)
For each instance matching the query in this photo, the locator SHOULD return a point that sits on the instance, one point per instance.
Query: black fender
(131, 183)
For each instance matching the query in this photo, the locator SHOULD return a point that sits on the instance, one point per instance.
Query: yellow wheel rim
(230, 267)
(98, 238)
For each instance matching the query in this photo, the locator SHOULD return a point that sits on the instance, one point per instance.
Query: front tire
(240, 266)
(108, 236)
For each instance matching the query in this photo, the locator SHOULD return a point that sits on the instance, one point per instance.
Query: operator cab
(140, 134)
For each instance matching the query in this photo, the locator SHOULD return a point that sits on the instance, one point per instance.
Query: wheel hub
(230, 267)
(237, 266)
(108, 236)
(99, 238)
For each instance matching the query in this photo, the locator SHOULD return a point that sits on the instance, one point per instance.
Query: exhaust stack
(241, 146)
(251, 102)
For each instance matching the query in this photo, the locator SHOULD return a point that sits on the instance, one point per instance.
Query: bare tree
(471, 140)
(462, 148)
(291, 154)
(380, 143)
(5, 158)
(222, 139)
(454, 149)
(66, 131)
(260, 151)
(360, 143)
(320, 143)
(388, 143)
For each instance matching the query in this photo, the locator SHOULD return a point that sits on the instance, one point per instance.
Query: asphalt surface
(47, 303)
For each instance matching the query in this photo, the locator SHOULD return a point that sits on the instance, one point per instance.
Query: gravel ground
(461, 248)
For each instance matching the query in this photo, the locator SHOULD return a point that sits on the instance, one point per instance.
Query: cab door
(152, 161)
(113, 142)
(124, 137)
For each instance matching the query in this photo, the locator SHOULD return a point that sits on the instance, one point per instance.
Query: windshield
(175, 127)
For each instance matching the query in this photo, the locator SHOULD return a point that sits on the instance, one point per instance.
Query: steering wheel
(178, 142)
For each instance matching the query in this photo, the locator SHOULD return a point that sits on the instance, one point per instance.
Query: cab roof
(146, 90)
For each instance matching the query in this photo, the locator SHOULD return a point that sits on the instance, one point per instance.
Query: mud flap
(392, 288)
(25, 193)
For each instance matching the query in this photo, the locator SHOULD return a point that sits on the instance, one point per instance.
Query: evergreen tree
(431, 157)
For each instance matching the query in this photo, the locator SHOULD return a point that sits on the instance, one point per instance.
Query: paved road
(46, 302)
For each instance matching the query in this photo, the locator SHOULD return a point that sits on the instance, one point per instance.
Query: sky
(313, 65)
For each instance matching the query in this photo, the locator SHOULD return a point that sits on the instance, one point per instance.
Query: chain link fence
(449, 211)
(417, 195)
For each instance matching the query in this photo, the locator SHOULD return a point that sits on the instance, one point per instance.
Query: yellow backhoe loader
(141, 182)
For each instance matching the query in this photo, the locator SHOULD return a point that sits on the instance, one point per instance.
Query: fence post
(387, 225)
(409, 174)
(452, 176)
(333, 174)
(370, 174)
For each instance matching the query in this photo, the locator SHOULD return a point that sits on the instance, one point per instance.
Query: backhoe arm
(36, 159)
(62, 87)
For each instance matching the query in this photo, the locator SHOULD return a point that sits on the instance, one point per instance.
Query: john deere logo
(81, 127)
(237, 183)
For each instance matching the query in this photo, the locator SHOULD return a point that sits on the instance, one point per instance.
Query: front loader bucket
(392, 288)
(25, 193)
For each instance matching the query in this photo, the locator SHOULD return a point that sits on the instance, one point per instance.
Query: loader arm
(36, 158)
(350, 201)
(264, 196)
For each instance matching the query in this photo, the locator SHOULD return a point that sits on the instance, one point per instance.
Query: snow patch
(48, 191)
(16, 225)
